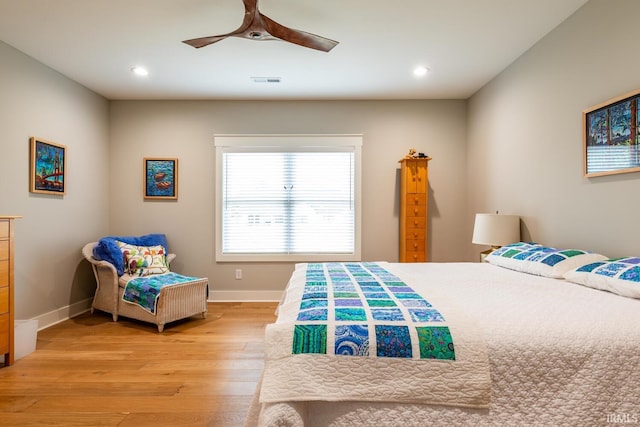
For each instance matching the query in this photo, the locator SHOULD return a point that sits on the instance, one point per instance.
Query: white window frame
(227, 143)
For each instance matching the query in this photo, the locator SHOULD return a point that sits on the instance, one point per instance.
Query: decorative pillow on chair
(143, 260)
(540, 260)
(108, 250)
(620, 276)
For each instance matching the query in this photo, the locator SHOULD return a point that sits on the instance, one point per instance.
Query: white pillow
(540, 260)
(143, 260)
(620, 276)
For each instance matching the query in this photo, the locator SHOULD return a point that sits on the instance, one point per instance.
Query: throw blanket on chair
(144, 291)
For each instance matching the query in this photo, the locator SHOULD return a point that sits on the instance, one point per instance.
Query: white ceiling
(465, 43)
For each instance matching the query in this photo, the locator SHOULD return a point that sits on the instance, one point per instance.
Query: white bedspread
(464, 381)
(559, 354)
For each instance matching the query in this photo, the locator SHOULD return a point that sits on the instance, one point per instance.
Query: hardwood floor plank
(91, 371)
(66, 420)
(134, 376)
(147, 404)
(226, 419)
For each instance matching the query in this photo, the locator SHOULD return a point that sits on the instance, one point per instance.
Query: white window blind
(288, 201)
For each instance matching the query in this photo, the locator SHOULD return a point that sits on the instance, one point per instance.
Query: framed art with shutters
(611, 136)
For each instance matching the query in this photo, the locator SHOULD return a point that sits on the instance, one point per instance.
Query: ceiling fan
(256, 26)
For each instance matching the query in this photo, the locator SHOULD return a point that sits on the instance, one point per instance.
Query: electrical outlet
(238, 274)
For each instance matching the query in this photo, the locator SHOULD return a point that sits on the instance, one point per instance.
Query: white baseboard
(64, 313)
(244, 296)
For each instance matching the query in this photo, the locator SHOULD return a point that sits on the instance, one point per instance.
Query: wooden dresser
(414, 184)
(6, 288)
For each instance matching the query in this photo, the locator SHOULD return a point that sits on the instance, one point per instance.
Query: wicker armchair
(175, 302)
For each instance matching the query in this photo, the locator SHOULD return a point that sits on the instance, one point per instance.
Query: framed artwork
(160, 179)
(47, 167)
(611, 136)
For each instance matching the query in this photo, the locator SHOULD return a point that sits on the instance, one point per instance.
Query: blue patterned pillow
(620, 276)
(533, 258)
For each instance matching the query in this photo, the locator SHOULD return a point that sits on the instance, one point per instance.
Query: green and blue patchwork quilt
(372, 313)
(145, 291)
(363, 331)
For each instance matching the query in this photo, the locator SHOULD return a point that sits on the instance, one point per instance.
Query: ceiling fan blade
(205, 41)
(298, 37)
(250, 12)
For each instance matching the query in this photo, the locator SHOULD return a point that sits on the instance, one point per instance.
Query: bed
(545, 351)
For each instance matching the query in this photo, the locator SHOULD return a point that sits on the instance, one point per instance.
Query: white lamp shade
(496, 230)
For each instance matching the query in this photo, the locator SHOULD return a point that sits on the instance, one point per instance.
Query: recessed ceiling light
(420, 71)
(139, 71)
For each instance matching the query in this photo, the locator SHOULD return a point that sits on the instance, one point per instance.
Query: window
(288, 198)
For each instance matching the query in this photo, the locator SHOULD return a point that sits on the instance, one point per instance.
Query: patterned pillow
(540, 260)
(143, 260)
(620, 276)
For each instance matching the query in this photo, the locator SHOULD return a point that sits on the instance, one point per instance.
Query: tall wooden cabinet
(6, 288)
(414, 184)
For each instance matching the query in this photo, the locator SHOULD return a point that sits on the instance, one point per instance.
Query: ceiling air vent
(266, 79)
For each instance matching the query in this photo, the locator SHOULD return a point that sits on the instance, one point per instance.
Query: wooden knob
(415, 246)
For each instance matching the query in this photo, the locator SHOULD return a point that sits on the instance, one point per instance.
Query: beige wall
(185, 130)
(525, 134)
(37, 101)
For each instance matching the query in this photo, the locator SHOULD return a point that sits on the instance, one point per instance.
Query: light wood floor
(90, 371)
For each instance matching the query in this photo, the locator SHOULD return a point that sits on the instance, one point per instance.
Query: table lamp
(495, 230)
